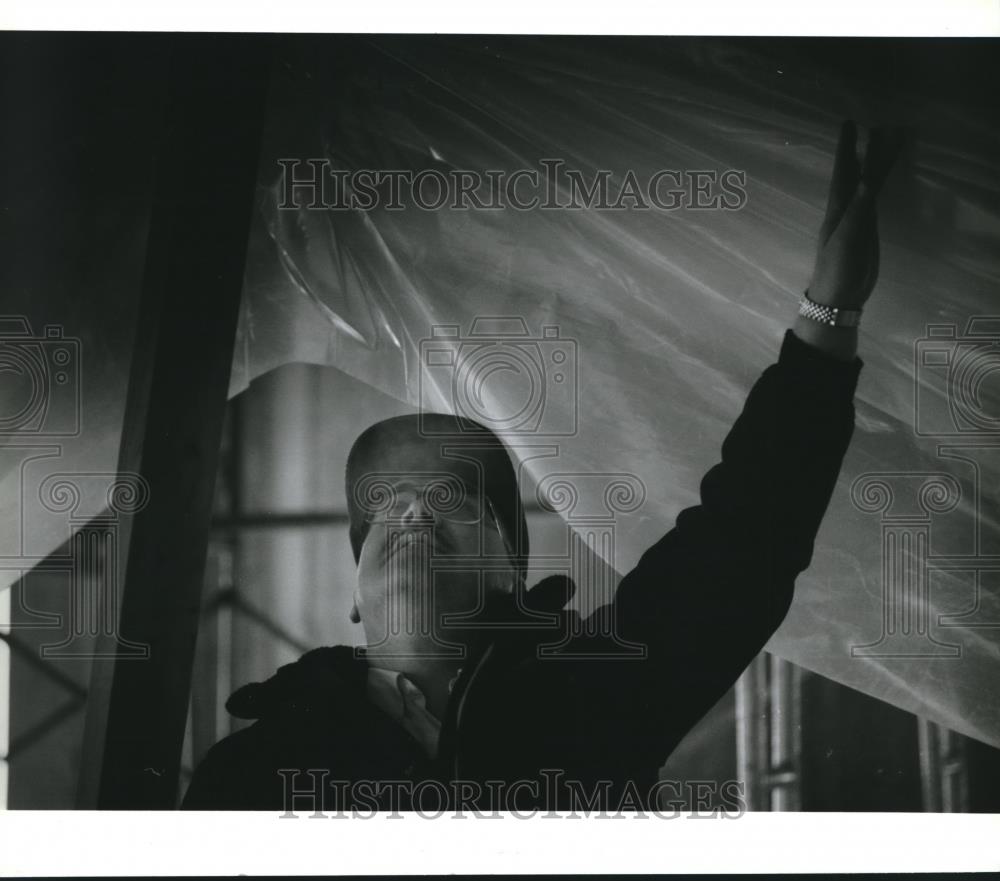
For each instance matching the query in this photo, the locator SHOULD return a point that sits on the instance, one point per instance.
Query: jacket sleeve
(707, 596)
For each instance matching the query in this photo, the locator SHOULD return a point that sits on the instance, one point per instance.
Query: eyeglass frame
(383, 518)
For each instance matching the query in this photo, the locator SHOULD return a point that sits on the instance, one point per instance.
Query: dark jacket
(704, 600)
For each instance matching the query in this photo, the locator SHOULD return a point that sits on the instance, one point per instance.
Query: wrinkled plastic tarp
(666, 316)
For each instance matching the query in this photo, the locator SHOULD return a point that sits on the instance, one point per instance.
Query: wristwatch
(829, 315)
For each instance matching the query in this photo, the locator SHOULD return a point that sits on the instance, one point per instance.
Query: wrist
(838, 342)
(831, 315)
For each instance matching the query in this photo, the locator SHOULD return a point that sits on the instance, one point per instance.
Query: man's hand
(847, 255)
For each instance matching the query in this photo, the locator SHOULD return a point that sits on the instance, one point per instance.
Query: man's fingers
(844, 181)
(873, 257)
(884, 146)
(857, 225)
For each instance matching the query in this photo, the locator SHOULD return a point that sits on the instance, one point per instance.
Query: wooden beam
(199, 228)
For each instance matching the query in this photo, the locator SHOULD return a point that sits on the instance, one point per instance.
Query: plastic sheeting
(641, 331)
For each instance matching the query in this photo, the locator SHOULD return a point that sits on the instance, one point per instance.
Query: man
(452, 701)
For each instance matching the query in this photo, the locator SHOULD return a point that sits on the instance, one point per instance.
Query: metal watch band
(829, 315)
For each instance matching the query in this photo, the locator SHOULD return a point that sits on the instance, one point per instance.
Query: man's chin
(411, 545)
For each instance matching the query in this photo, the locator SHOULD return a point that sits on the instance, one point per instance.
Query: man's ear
(355, 614)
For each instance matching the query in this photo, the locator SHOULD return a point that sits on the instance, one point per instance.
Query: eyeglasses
(445, 500)
(439, 500)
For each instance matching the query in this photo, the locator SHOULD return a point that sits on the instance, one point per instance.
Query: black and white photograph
(500, 427)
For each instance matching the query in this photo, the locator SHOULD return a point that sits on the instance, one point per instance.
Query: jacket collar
(310, 684)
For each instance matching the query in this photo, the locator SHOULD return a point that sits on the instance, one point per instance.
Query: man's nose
(418, 513)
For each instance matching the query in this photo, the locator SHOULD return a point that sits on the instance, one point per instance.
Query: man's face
(432, 555)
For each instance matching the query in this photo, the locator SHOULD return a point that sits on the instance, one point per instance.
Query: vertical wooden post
(183, 351)
(944, 771)
(785, 775)
(752, 764)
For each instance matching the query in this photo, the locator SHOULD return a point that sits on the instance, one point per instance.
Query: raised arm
(707, 596)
